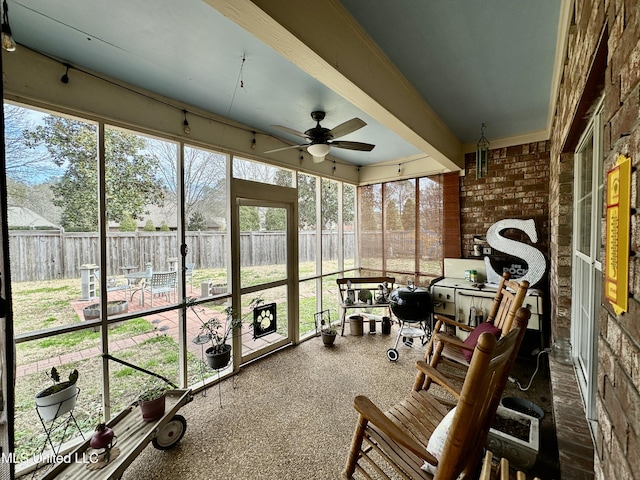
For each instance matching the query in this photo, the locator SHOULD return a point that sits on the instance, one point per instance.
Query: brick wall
(517, 186)
(603, 55)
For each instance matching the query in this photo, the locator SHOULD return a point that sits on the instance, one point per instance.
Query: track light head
(65, 78)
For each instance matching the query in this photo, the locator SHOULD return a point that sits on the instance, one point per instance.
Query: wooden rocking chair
(502, 472)
(445, 346)
(420, 428)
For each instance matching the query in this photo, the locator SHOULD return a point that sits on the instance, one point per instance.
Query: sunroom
(175, 144)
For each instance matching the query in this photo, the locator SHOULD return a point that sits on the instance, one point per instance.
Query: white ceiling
(471, 62)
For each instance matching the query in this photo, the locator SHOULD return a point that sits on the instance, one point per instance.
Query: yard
(42, 305)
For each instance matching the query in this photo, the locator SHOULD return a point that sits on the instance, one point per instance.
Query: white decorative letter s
(534, 257)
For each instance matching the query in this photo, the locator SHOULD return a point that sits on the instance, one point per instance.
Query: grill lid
(411, 303)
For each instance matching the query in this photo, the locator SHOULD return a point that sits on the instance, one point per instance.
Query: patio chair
(189, 270)
(419, 438)
(113, 284)
(445, 347)
(161, 283)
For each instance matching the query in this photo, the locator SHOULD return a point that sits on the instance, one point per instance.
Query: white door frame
(587, 265)
(245, 192)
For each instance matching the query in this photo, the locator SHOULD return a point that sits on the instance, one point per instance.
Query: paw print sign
(264, 320)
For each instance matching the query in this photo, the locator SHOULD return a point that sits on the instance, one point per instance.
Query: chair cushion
(437, 440)
(472, 339)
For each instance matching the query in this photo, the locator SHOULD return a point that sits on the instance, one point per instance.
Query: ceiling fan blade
(285, 148)
(364, 147)
(347, 127)
(291, 131)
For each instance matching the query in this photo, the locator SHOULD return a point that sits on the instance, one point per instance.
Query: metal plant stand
(63, 421)
(201, 340)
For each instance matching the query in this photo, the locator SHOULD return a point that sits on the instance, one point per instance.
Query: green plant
(128, 224)
(149, 226)
(152, 393)
(214, 329)
(326, 327)
(57, 384)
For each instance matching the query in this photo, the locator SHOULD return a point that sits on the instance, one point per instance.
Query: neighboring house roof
(28, 219)
(159, 214)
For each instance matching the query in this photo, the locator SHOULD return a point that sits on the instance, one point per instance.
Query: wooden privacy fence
(50, 254)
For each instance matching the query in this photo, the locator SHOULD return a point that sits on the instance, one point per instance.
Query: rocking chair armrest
(450, 321)
(438, 378)
(375, 416)
(453, 341)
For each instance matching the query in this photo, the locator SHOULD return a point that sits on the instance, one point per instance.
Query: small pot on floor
(328, 338)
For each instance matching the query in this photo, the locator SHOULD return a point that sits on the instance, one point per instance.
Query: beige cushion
(437, 440)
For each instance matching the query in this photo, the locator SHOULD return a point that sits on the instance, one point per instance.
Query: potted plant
(217, 332)
(59, 398)
(327, 331)
(152, 403)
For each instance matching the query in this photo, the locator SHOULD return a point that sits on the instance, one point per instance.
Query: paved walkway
(165, 323)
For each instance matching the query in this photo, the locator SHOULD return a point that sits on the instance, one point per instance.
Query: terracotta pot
(153, 409)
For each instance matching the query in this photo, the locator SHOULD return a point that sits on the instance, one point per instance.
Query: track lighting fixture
(399, 169)
(253, 141)
(7, 38)
(187, 128)
(65, 77)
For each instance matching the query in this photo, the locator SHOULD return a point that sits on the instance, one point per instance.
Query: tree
(249, 219)
(130, 179)
(205, 191)
(149, 226)
(392, 216)
(196, 222)
(128, 224)
(275, 220)
(408, 215)
(348, 203)
(329, 204)
(369, 207)
(25, 163)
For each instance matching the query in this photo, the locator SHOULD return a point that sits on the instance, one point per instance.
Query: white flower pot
(56, 404)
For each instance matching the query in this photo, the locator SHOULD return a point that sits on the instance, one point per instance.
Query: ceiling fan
(320, 139)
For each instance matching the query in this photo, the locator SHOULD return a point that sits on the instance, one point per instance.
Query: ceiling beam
(323, 40)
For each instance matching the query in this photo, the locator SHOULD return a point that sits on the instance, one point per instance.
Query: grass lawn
(158, 354)
(46, 304)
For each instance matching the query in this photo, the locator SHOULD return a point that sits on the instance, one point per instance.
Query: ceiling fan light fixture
(319, 150)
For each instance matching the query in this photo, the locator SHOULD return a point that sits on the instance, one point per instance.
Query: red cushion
(472, 339)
